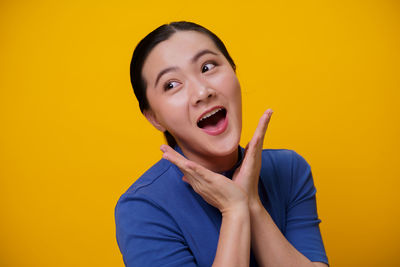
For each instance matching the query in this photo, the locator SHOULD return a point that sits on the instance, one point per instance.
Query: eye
(170, 85)
(208, 66)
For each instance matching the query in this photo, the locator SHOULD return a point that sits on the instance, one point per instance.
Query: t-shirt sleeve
(148, 236)
(302, 224)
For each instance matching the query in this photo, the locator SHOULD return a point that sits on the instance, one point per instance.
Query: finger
(199, 172)
(174, 157)
(263, 123)
(255, 145)
(190, 169)
(259, 134)
(185, 179)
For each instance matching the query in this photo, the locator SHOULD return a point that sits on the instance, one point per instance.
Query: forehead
(176, 51)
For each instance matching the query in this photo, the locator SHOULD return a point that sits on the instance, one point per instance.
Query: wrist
(255, 206)
(240, 210)
(255, 203)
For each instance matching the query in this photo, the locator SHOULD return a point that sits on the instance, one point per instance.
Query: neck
(213, 163)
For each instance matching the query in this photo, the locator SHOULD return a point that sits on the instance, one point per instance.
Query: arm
(234, 239)
(231, 200)
(270, 247)
(143, 240)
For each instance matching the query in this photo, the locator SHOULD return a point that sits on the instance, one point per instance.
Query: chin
(226, 147)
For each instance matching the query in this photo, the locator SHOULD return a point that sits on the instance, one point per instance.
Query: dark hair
(144, 47)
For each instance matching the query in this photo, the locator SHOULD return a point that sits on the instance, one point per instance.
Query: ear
(151, 117)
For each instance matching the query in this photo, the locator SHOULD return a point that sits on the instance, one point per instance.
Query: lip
(221, 128)
(209, 110)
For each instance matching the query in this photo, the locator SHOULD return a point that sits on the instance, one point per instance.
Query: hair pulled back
(144, 47)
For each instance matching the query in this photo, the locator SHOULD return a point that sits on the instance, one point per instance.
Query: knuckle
(190, 165)
(198, 189)
(195, 168)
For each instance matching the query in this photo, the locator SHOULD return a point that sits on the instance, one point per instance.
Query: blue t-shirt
(161, 221)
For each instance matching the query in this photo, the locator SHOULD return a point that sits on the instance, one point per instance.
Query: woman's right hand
(214, 188)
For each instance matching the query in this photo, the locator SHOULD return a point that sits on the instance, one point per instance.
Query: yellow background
(72, 139)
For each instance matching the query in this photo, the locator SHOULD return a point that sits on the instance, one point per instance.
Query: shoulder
(152, 176)
(152, 187)
(140, 210)
(283, 161)
(147, 198)
(282, 156)
(285, 170)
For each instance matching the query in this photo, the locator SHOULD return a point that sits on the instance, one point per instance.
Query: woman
(209, 201)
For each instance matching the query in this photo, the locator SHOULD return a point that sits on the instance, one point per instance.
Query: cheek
(233, 92)
(173, 111)
(229, 86)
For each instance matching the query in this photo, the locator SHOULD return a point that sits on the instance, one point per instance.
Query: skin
(193, 87)
(197, 86)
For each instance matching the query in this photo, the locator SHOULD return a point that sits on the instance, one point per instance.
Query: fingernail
(163, 148)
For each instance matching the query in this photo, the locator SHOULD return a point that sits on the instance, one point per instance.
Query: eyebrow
(193, 60)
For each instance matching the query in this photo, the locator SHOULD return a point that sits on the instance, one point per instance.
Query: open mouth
(213, 122)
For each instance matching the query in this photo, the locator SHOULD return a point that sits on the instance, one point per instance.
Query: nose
(201, 93)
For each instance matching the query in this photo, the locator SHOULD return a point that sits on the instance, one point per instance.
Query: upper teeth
(209, 114)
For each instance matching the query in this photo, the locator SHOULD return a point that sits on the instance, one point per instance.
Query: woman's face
(194, 93)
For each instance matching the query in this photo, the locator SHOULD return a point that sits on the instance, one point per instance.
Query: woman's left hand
(247, 175)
